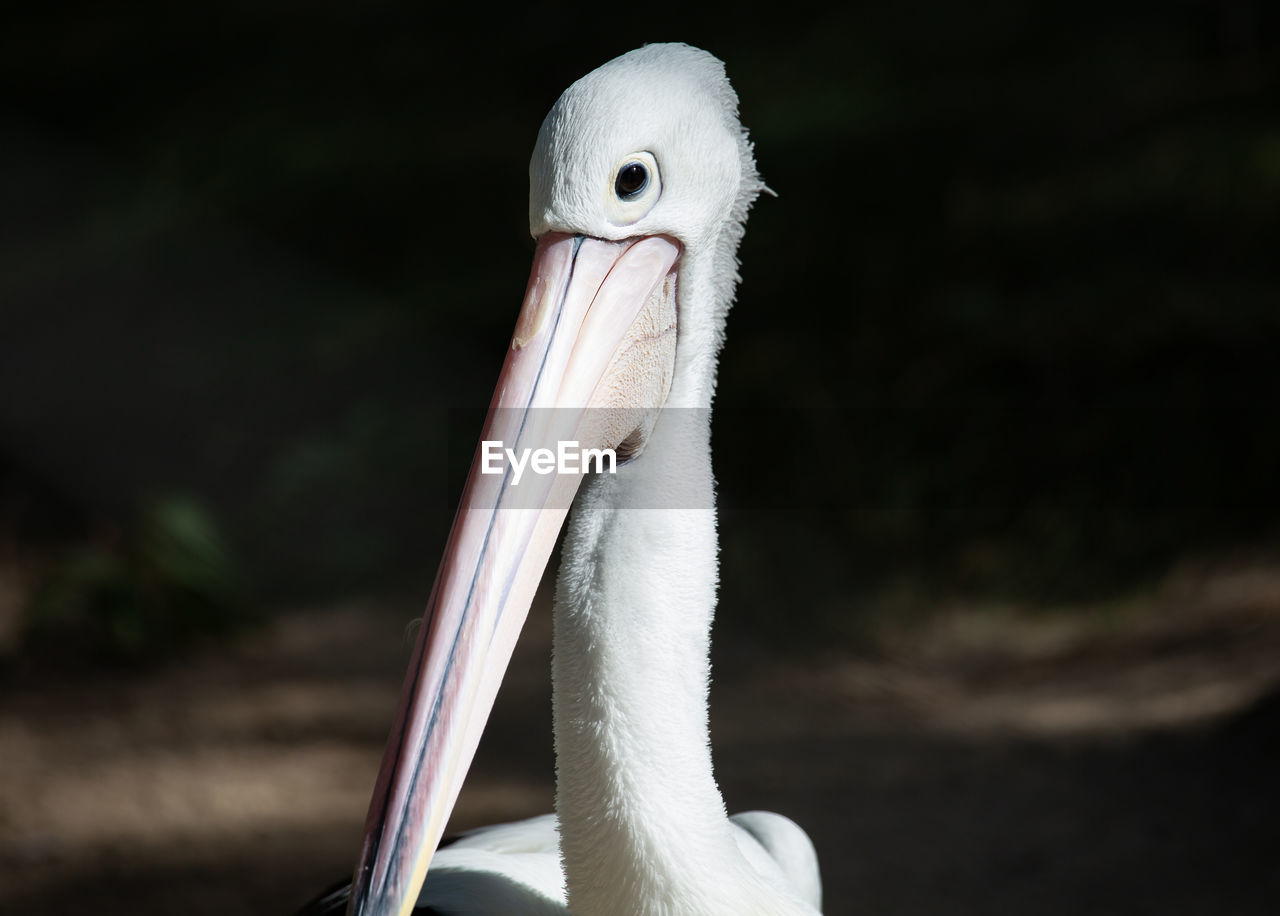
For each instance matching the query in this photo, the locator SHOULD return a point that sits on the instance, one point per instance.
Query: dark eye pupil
(632, 179)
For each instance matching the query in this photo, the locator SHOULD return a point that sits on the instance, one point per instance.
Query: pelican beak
(590, 364)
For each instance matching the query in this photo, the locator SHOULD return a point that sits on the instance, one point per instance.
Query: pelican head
(667, 109)
(670, 110)
(639, 185)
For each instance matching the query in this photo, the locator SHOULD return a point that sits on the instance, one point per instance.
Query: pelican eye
(636, 187)
(632, 179)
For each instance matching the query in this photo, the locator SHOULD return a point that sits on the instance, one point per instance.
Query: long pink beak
(583, 298)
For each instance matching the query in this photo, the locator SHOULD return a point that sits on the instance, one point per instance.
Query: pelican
(640, 183)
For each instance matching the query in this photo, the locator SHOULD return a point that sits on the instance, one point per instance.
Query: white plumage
(515, 868)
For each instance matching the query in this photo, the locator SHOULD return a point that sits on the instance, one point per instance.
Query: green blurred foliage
(163, 584)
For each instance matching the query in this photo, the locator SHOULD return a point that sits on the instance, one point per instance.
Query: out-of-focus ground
(1107, 759)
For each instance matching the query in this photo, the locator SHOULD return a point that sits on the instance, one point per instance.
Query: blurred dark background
(1010, 323)
(1006, 336)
